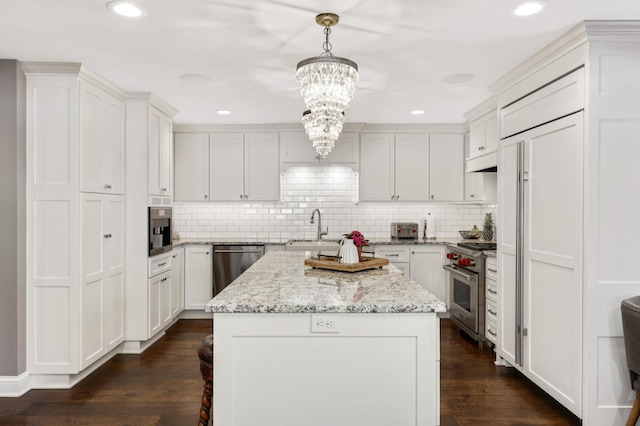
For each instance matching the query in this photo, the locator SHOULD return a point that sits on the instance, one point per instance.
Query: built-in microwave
(159, 230)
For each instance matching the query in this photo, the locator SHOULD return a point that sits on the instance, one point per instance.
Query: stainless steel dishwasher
(229, 262)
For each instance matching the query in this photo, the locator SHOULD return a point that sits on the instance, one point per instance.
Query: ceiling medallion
(327, 84)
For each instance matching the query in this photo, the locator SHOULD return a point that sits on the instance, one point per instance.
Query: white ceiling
(250, 48)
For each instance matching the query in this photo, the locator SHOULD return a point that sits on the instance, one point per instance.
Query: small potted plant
(487, 228)
(358, 241)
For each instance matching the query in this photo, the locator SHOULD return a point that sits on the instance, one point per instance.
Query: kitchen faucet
(320, 231)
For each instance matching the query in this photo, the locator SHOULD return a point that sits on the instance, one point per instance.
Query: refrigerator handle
(519, 250)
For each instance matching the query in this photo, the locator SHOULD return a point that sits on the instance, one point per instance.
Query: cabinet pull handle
(491, 332)
(392, 255)
(492, 312)
(107, 186)
(393, 197)
(492, 270)
(471, 195)
(107, 235)
(492, 291)
(163, 263)
(207, 253)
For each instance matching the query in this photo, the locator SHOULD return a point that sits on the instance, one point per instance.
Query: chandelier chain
(327, 45)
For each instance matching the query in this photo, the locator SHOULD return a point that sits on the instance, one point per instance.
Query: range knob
(464, 262)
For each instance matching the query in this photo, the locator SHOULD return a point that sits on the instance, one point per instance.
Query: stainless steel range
(467, 286)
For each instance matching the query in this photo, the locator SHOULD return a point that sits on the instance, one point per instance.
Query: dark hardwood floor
(163, 387)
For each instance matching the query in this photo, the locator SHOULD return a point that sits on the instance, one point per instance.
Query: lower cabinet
(491, 299)
(198, 284)
(102, 290)
(427, 263)
(398, 256)
(177, 282)
(159, 303)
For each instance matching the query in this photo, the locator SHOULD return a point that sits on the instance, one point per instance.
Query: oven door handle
(458, 272)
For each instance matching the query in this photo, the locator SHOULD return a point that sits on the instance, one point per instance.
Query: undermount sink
(313, 245)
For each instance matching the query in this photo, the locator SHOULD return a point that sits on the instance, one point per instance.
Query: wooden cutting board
(334, 265)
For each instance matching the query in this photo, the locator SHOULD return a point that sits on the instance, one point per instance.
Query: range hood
(484, 163)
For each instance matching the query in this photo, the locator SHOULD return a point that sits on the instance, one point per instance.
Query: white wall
(332, 189)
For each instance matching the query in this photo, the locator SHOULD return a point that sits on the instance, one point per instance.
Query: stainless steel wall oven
(159, 230)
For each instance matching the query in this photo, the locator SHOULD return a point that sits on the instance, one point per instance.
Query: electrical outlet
(324, 324)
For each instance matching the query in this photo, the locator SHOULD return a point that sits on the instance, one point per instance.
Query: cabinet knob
(397, 197)
(241, 196)
(206, 196)
(107, 186)
(107, 235)
(393, 197)
(471, 195)
(432, 197)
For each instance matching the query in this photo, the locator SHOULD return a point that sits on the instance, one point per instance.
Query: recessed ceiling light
(195, 78)
(223, 111)
(456, 78)
(417, 112)
(529, 8)
(127, 9)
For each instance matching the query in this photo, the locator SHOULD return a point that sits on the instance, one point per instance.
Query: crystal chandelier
(327, 84)
(323, 131)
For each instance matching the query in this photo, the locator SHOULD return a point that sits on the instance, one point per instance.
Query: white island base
(358, 369)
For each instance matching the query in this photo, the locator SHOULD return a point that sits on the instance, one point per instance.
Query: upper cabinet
(101, 141)
(227, 166)
(296, 148)
(483, 144)
(446, 167)
(160, 155)
(408, 167)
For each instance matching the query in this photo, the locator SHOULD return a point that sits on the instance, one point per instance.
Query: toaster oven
(404, 230)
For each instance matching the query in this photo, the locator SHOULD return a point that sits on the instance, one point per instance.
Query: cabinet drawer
(159, 264)
(492, 309)
(491, 269)
(492, 289)
(492, 330)
(394, 254)
(562, 97)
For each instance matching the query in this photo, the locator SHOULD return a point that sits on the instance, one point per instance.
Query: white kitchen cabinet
(191, 167)
(483, 144)
(427, 263)
(101, 140)
(296, 148)
(491, 297)
(198, 284)
(244, 166)
(446, 167)
(102, 271)
(394, 167)
(398, 255)
(159, 303)
(177, 282)
(160, 153)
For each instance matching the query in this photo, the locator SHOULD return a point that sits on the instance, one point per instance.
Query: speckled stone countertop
(372, 241)
(280, 283)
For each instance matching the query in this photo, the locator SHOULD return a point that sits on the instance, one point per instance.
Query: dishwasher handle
(238, 251)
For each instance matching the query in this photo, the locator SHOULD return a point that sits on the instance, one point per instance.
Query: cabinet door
(166, 156)
(153, 152)
(412, 167)
(177, 282)
(92, 247)
(191, 167)
(345, 150)
(198, 285)
(165, 300)
(295, 147)
(377, 167)
(477, 137)
(446, 160)
(262, 167)
(115, 271)
(427, 269)
(155, 304)
(101, 141)
(474, 186)
(226, 170)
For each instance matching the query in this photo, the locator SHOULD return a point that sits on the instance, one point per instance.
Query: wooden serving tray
(334, 265)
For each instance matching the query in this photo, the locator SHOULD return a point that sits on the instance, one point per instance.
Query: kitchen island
(300, 346)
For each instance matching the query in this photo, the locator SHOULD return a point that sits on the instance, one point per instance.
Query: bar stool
(631, 330)
(205, 353)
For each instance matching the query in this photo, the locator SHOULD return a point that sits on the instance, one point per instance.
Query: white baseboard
(14, 386)
(138, 346)
(196, 314)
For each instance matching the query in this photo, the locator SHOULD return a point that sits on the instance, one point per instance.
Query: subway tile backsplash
(332, 189)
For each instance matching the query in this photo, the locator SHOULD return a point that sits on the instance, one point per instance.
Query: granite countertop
(280, 283)
(247, 241)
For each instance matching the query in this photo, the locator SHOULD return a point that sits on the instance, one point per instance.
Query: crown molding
(612, 30)
(485, 107)
(413, 128)
(152, 100)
